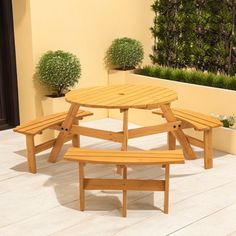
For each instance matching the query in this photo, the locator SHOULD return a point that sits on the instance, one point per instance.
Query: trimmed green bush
(58, 70)
(124, 53)
(189, 76)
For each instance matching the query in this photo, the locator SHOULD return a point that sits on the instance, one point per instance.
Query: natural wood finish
(31, 153)
(97, 133)
(123, 158)
(44, 146)
(178, 133)
(76, 137)
(199, 122)
(40, 124)
(37, 126)
(124, 208)
(155, 129)
(171, 140)
(195, 120)
(195, 141)
(125, 130)
(81, 186)
(208, 152)
(65, 129)
(166, 193)
(124, 184)
(122, 96)
(48, 144)
(129, 134)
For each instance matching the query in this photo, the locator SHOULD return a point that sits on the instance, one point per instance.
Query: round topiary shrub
(58, 70)
(124, 53)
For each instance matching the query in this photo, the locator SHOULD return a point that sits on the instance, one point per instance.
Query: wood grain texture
(65, 131)
(125, 157)
(199, 122)
(38, 125)
(122, 96)
(124, 184)
(179, 134)
(196, 120)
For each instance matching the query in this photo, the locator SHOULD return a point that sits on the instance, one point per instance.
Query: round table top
(122, 96)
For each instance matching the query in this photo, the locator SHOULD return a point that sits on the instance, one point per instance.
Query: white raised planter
(194, 97)
(53, 105)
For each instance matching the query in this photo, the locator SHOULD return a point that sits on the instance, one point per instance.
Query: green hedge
(195, 33)
(192, 77)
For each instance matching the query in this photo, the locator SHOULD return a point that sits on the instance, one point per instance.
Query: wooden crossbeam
(124, 184)
(97, 133)
(155, 129)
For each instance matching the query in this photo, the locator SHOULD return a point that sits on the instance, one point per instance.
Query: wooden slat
(38, 125)
(143, 153)
(186, 122)
(122, 96)
(196, 120)
(124, 157)
(124, 184)
(201, 116)
(201, 119)
(134, 98)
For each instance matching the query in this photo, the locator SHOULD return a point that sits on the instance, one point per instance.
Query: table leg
(65, 130)
(179, 134)
(124, 145)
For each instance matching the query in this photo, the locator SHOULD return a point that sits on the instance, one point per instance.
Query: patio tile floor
(202, 202)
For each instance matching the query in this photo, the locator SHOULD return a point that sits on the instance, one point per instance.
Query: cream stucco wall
(85, 28)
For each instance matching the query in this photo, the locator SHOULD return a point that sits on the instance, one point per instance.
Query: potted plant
(122, 55)
(58, 71)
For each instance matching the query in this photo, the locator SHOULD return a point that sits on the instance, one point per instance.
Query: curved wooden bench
(124, 158)
(37, 126)
(200, 122)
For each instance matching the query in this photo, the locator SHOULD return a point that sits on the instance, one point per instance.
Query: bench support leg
(76, 137)
(66, 126)
(31, 153)
(208, 152)
(166, 194)
(179, 134)
(171, 140)
(124, 208)
(81, 186)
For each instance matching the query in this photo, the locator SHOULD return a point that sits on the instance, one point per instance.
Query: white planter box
(54, 105)
(194, 97)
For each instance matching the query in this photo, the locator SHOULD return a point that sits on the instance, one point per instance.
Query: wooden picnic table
(123, 97)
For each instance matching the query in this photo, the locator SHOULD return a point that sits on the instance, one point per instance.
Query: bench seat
(199, 122)
(37, 126)
(123, 158)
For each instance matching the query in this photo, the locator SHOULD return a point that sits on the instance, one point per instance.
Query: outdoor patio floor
(202, 202)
